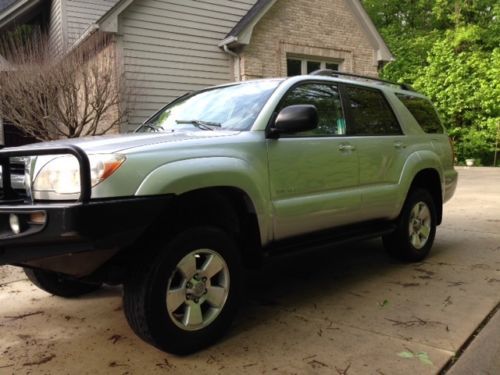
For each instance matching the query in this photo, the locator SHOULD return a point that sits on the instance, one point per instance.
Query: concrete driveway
(351, 310)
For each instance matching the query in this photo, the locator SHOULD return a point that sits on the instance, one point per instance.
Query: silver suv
(220, 180)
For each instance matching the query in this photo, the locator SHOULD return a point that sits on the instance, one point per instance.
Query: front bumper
(76, 227)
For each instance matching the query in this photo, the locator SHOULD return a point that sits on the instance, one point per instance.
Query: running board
(326, 239)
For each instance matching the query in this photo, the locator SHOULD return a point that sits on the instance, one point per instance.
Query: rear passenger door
(314, 175)
(381, 147)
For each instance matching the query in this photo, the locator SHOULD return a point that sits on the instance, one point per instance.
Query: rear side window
(424, 113)
(370, 113)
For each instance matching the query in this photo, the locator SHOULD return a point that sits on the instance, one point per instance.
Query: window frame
(305, 60)
(351, 124)
(302, 83)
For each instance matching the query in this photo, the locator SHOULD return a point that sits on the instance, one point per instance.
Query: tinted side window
(370, 112)
(424, 113)
(326, 98)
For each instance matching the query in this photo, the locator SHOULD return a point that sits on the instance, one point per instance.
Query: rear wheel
(186, 297)
(414, 236)
(59, 285)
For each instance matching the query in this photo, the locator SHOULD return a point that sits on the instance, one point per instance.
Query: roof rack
(335, 73)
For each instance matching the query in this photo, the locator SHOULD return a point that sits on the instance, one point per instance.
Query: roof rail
(334, 73)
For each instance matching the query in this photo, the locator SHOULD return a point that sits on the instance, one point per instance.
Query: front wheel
(416, 228)
(186, 297)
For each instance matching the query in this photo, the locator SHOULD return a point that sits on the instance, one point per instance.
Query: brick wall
(324, 29)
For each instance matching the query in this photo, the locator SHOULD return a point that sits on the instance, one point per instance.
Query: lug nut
(204, 279)
(189, 285)
(188, 296)
(197, 277)
(196, 300)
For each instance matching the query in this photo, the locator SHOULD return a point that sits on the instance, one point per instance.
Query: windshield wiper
(205, 125)
(150, 126)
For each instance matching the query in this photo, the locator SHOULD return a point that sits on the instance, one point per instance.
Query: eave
(17, 11)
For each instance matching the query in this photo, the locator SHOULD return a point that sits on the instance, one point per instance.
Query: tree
(450, 51)
(464, 83)
(80, 94)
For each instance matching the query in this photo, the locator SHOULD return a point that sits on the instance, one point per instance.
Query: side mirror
(295, 119)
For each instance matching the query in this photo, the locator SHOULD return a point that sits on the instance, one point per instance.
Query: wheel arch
(430, 180)
(423, 169)
(215, 173)
(225, 207)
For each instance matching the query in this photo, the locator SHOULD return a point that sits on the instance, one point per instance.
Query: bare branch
(50, 98)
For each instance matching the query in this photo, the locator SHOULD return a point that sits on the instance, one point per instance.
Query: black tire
(399, 243)
(145, 292)
(58, 284)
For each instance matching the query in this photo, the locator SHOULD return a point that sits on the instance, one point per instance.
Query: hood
(122, 142)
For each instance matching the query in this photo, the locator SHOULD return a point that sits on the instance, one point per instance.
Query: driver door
(314, 176)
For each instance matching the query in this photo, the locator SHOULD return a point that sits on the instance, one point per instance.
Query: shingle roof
(4, 4)
(248, 18)
(262, 6)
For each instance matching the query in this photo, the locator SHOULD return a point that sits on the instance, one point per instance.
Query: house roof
(12, 11)
(255, 13)
(4, 4)
(241, 34)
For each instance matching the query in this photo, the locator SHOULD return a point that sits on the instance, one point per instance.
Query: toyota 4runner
(219, 180)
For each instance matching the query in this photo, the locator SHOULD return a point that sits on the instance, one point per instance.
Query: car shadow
(296, 283)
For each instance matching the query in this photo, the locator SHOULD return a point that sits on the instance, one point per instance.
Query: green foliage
(450, 51)
(464, 83)
(410, 57)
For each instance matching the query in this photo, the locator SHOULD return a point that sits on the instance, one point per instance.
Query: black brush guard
(72, 227)
(9, 196)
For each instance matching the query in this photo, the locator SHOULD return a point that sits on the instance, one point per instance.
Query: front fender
(179, 177)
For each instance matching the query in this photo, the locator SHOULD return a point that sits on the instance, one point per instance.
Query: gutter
(91, 30)
(236, 57)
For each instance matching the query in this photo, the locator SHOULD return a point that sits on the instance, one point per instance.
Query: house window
(297, 66)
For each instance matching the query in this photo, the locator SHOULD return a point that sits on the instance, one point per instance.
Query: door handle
(347, 147)
(399, 145)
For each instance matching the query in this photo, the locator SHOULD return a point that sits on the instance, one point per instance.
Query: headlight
(61, 175)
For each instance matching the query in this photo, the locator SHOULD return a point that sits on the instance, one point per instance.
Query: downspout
(236, 57)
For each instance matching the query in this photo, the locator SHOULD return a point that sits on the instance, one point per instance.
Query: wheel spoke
(415, 240)
(213, 266)
(193, 315)
(175, 298)
(216, 296)
(421, 210)
(414, 212)
(425, 231)
(424, 213)
(188, 266)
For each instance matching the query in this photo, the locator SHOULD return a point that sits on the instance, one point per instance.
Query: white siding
(80, 14)
(56, 40)
(171, 47)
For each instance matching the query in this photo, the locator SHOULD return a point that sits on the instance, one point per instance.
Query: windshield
(234, 107)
